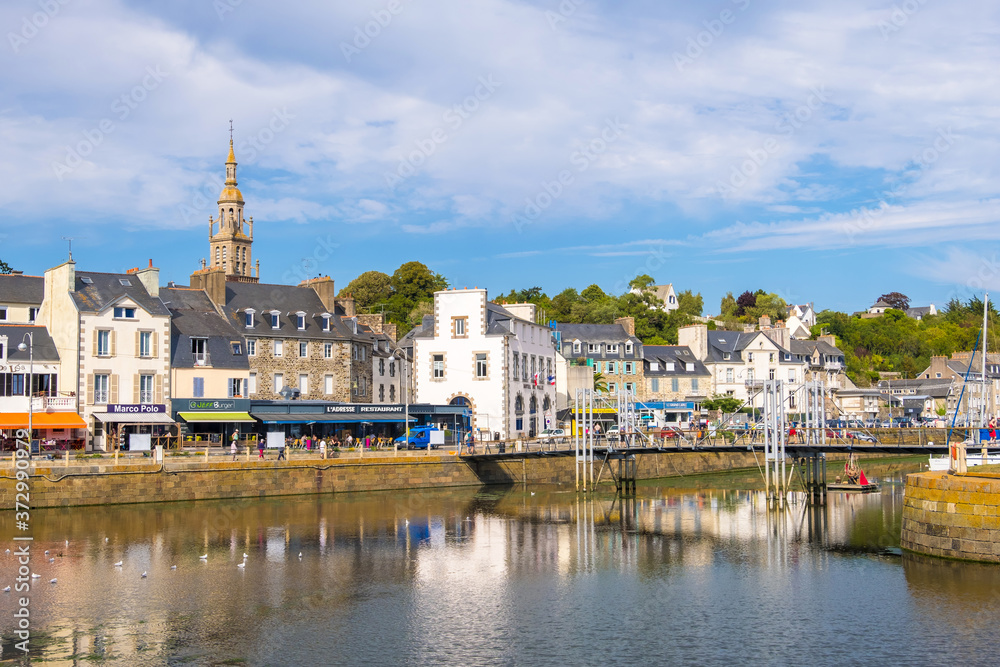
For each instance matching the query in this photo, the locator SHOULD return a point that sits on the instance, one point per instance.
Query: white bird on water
(52, 560)
(173, 567)
(118, 564)
(53, 580)
(7, 590)
(35, 576)
(300, 554)
(205, 557)
(143, 575)
(46, 551)
(241, 565)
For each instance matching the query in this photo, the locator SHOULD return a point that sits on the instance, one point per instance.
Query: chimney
(213, 281)
(374, 321)
(628, 323)
(150, 277)
(695, 338)
(764, 322)
(779, 336)
(828, 338)
(323, 286)
(347, 303)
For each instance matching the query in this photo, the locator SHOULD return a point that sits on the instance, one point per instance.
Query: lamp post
(400, 354)
(30, 347)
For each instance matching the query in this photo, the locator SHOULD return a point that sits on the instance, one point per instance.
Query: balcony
(53, 404)
(202, 359)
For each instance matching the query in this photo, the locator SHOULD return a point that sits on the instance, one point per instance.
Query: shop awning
(134, 418)
(11, 420)
(282, 418)
(215, 417)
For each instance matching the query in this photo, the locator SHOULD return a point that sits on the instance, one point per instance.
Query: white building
(495, 360)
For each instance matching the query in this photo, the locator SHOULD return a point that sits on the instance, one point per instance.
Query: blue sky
(828, 152)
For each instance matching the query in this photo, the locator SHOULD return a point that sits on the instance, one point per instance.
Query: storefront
(213, 420)
(50, 430)
(678, 414)
(151, 425)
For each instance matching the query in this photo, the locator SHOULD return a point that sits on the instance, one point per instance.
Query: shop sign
(212, 405)
(364, 409)
(136, 408)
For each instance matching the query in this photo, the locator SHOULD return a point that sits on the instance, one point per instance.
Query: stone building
(610, 349)
(20, 298)
(230, 247)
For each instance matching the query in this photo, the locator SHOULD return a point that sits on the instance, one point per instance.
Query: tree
(745, 301)
(690, 303)
(727, 404)
(600, 384)
(593, 294)
(643, 283)
(415, 281)
(5, 267)
(896, 300)
(728, 307)
(370, 288)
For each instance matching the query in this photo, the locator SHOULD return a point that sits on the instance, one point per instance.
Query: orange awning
(12, 420)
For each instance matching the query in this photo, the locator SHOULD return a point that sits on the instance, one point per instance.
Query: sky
(827, 152)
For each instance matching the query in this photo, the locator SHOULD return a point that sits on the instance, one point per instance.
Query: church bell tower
(230, 246)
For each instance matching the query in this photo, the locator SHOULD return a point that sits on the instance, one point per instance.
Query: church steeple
(230, 247)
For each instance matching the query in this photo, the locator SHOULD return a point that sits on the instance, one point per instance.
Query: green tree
(690, 303)
(5, 267)
(370, 288)
(745, 301)
(593, 294)
(600, 384)
(727, 404)
(643, 283)
(896, 300)
(415, 281)
(728, 307)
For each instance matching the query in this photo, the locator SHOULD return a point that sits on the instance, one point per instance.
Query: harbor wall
(54, 485)
(952, 516)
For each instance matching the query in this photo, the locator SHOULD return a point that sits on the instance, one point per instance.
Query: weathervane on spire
(230, 130)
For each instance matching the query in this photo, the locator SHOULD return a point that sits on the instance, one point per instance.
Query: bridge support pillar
(814, 469)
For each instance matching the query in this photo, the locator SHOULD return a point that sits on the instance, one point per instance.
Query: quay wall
(952, 516)
(55, 485)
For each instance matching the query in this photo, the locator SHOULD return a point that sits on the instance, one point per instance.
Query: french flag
(536, 379)
(552, 379)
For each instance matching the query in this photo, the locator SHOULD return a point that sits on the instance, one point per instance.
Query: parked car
(552, 436)
(861, 437)
(613, 433)
(422, 437)
(671, 432)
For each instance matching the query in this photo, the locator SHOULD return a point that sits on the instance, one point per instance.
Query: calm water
(694, 571)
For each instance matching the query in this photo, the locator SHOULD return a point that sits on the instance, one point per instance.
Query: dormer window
(670, 366)
(237, 348)
(727, 356)
(628, 348)
(689, 367)
(576, 347)
(300, 321)
(654, 366)
(125, 313)
(248, 317)
(275, 324)
(612, 348)
(594, 348)
(326, 321)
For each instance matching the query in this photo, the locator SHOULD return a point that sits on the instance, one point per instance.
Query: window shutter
(113, 397)
(154, 349)
(114, 342)
(158, 387)
(138, 336)
(135, 388)
(95, 342)
(90, 389)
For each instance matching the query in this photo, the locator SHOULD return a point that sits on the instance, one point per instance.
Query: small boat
(855, 479)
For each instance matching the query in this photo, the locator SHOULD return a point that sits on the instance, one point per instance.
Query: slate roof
(806, 348)
(934, 387)
(288, 300)
(28, 290)
(44, 347)
(918, 312)
(595, 334)
(105, 289)
(680, 355)
(734, 342)
(194, 316)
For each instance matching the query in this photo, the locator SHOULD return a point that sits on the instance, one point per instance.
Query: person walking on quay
(260, 449)
(281, 453)
(322, 447)
(232, 448)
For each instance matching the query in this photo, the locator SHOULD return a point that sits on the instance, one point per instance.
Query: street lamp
(30, 348)
(400, 354)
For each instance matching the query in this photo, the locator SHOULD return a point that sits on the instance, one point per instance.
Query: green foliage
(745, 301)
(600, 384)
(368, 289)
(415, 281)
(643, 283)
(404, 297)
(727, 404)
(5, 267)
(728, 307)
(690, 303)
(896, 300)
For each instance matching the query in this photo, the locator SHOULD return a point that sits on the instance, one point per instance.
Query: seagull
(118, 564)
(205, 557)
(35, 576)
(67, 542)
(532, 493)
(52, 560)
(241, 565)
(7, 590)
(245, 556)
(52, 581)
(300, 554)
(46, 551)
(143, 575)
(173, 567)
(105, 539)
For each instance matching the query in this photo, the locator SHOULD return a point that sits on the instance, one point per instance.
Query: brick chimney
(213, 281)
(323, 286)
(628, 323)
(150, 277)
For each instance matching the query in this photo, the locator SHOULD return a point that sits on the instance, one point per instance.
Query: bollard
(66, 458)
(206, 453)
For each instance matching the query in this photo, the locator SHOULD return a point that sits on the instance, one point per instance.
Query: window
(628, 348)
(249, 319)
(628, 368)
(459, 326)
(517, 365)
(749, 356)
(675, 384)
(612, 387)
(524, 367)
(326, 321)
(770, 356)
(689, 367)
(749, 375)
(694, 384)
(594, 348)
(654, 385)
(300, 321)
(791, 375)
(199, 350)
(381, 367)
(303, 349)
(629, 387)
(279, 348)
(328, 350)
(235, 387)
(392, 369)
(237, 348)
(3, 314)
(654, 366)
(279, 382)
(252, 384)
(104, 343)
(480, 364)
(611, 366)
(275, 324)
(198, 387)
(729, 375)
(381, 393)
(145, 343)
(612, 348)
(670, 366)
(438, 362)
(251, 347)
(101, 382)
(534, 371)
(125, 282)
(125, 313)
(303, 384)
(145, 389)
(392, 393)
(32, 314)
(576, 347)
(726, 356)
(327, 384)
(770, 374)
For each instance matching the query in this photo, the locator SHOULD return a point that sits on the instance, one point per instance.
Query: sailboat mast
(986, 300)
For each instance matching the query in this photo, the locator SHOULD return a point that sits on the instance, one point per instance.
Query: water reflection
(533, 575)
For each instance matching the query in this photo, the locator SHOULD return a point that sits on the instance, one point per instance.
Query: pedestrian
(260, 449)
(232, 449)
(281, 453)
(350, 440)
(322, 447)
(993, 430)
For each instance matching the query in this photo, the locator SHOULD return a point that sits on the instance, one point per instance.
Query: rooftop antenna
(69, 239)
(230, 130)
